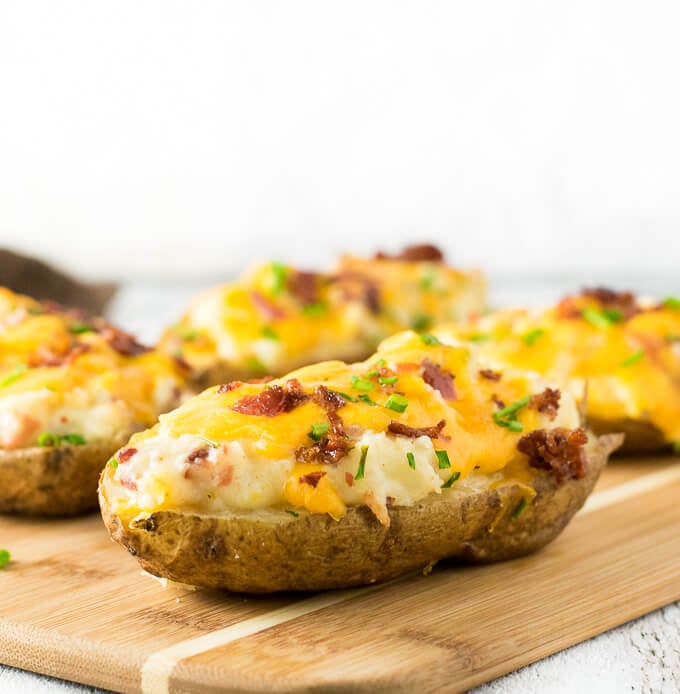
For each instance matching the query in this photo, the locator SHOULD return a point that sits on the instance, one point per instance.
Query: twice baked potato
(618, 355)
(340, 475)
(277, 318)
(72, 390)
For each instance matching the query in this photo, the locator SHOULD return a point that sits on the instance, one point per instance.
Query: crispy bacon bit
(312, 478)
(547, 402)
(558, 450)
(305, 286)
(335, 444)
(51, 307)
(621, 301)
(125, 455)
(358, 287)
(378, 507)
(198, 456)
(267, 309)
(225, 478)
(181, 362)
(490, 374)
(45, 356)
(129, 484)
(349, 479)
(423, 252)
(122, 342)
(497, 401)
(273, 401)
(227, 387)
(439, 379)
(414, 432)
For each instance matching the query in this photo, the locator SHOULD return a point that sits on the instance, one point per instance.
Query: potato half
(269, 551)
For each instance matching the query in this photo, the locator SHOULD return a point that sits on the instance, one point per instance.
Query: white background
(174, 141)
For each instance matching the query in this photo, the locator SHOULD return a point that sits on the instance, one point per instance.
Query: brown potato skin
(274, 551)
(641, 436)
(54, 481)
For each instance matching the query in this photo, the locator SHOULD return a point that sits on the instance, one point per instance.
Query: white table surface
(640, 656)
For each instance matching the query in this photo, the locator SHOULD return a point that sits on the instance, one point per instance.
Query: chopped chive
(79, 328)
(73, 439)
(634, 358)
(533, 335)
(420, 322)
(380, 362)
(443, 461)
(15, 374)
(411, 460)
(429, 339)
(396, 402)
(113, 463)
(455, 476)
(388, 380)
(350, 398)
(210, 442)
(186, 334)
(512, 408)
(519, 508)
(672, 302)
(515, 426)
(48, 440)
(295, 514)
(280, 276)
(427, 279)
(314, 310)
(269, 332)
(362, 463)
(373, 374)
(367, 400)
(601, 319)
(318, 431)
(5, 557)
(361, 384)
(479, 337)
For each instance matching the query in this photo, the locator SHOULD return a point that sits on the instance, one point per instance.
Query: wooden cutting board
(74, 605)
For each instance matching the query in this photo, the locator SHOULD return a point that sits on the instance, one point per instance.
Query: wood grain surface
(76, 606)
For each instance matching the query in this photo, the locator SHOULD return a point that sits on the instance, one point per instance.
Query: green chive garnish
(672, 302)
(427, 279)
(318, 431)
(443, 460)
(73, 439)
(388, 380)
(515, 426)
(15, 374)
(347, 397)
(186, 334)
(367, 400)
(420, 322)
(295, 514)
(280, 275)
(79, 328)
(429, 339)
(373, 374)
(634, 358)
(533, 335)
(113, 463)
(48, 440)
(396, 402)
(362, 463)
(5, 557)
(380, 362)
(602, 319)
(269, 332)
(479, 337)
(361, 384)
(519, 508)
(507, 417)
(411, 460)
(451, 480)
(315, 310)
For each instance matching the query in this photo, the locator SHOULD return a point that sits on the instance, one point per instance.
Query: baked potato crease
(340, 475)
(276, 317)
(73, 388)
(616, 353)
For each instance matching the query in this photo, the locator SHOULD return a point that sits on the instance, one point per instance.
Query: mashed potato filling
(417, 418)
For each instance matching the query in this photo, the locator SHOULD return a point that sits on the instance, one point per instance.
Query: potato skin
(54, 481)
(641, 436)
(264, 552)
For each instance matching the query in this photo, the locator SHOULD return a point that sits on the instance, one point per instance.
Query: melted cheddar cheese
(62, 380)
(629, 367)
(276, 318)
(209, 455)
